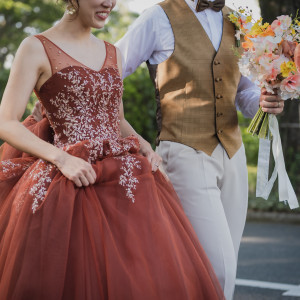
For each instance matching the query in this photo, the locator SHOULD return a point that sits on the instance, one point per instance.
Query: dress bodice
(82, 104)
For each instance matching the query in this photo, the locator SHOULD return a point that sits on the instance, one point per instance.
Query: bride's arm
(127, 130)
(28, 67)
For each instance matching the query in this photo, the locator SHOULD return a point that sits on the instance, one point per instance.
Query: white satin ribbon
(263, 185)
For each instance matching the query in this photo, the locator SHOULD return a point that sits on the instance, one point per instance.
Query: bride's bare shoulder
(31, 43)
(31, 49)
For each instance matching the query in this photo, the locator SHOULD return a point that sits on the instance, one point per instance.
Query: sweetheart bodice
(82, 104)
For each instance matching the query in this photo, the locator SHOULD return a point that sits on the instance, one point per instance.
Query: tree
(18, 19)
(140, 105)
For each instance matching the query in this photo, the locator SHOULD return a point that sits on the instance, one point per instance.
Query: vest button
(219, 114)
(218, 79)
(219, 96)
(220, 131)
(216, 62)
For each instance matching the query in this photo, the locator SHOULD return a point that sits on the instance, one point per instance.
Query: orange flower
(248, 44)
(268, 32)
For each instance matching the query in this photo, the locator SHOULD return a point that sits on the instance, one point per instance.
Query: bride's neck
(74, 28)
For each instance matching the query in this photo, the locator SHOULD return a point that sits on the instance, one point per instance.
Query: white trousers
(214, 194)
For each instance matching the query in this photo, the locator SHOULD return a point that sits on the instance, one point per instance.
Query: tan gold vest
(196, 86)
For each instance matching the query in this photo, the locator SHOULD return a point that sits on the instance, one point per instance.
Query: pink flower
(275, 24)
(268, 62)
(290, 87)
(285, 21)
(277, 28)
(288, 48)
(281, 25)
(273, 75)
(291, 83)
(297, 57)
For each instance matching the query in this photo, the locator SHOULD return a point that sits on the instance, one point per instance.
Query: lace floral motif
(87, 108)
(98, 148)
(11, 169)
(8, 166)
(127, 179)
(40, 176)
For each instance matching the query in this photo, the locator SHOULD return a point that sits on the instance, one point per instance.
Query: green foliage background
(19, 19)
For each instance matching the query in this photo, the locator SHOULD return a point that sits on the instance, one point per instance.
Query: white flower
(274, 39)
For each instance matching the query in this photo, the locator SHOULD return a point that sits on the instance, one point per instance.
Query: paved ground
(269, 262)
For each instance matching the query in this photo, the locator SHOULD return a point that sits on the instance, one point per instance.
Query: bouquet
(271, 59)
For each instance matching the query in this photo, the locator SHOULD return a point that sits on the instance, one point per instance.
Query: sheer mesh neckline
(60, 60)
(72, 58)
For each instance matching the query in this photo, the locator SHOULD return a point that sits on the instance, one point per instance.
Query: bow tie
(217, 5)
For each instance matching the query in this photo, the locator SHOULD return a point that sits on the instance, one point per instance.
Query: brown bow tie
(217, 5)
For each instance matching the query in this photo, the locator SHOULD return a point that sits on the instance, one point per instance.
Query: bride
(84, 211)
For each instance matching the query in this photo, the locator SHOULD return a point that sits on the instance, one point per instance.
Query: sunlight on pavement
(260, 240)
(290, 289)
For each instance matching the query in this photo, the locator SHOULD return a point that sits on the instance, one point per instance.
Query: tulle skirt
(124, 238)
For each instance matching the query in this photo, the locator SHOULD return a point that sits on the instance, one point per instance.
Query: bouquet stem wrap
(260, 125)
(264, 186)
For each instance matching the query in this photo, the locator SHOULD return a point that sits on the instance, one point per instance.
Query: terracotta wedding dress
(125, 237)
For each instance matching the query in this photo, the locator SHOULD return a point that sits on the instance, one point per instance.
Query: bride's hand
(154, 159)
(76, 169)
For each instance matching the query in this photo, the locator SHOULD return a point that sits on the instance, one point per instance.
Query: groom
(187, 47)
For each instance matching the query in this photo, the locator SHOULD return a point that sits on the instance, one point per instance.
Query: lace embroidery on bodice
(81, 103)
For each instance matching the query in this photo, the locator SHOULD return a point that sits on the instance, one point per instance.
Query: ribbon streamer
(264, 186)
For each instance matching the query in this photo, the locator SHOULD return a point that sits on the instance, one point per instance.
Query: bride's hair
(71, 2)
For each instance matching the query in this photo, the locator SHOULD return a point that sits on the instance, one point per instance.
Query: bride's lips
(102, 15)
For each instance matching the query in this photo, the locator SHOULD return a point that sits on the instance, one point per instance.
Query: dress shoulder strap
(111, 56)
(58, 58)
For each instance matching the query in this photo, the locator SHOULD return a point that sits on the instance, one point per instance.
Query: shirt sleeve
(140, 41)
(247, 97)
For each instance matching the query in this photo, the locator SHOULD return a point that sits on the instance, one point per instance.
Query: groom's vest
(196, 87)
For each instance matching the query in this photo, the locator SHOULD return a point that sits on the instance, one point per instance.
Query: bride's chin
(98, 26)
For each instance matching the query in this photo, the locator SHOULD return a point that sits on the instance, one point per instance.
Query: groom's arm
(247, 97)
(143, 39)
